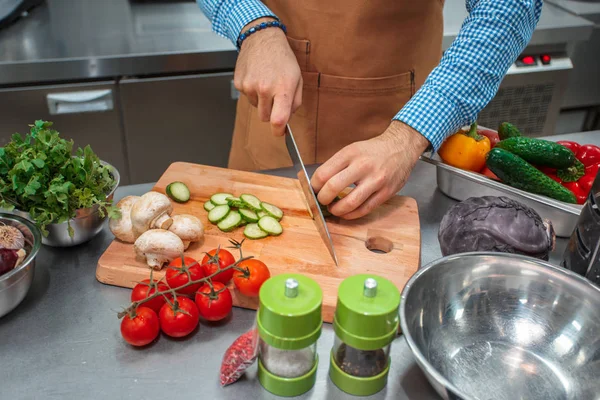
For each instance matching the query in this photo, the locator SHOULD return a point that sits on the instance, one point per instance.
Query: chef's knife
(309, 194)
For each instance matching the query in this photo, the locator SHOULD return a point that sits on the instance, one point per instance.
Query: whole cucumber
(518, 173)
(539, 152)
(507, 130)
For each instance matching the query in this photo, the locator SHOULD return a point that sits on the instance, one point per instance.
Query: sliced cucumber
(209, 205)
(251, 202)
(235, 202)
(220, 199)
(253, 231)
(270, 225)
(178, 191)
(243, 222)
(272, 210)
(218, 213)
(231, 221)
(262, 213)
(248, 215)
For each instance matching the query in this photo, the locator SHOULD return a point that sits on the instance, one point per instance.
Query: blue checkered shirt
(468, 76)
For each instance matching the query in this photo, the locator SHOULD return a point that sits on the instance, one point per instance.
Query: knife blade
(309, 193)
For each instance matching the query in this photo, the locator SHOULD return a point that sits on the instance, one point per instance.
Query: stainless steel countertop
(90, 39)
(63, 341)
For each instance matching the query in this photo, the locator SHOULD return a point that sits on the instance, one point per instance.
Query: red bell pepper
(492, 135)
(579, 193)
(588, 154)
(487, 172)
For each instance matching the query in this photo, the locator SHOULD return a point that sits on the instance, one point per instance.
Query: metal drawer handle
(80, 102)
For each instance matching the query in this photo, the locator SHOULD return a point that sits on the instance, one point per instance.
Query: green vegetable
(40, 175)
(518, 173)
(541, 153)
(573, 173)
(507, 130)
(178, 191)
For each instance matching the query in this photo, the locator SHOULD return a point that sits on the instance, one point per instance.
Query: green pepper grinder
(365, 323)
(289, 323)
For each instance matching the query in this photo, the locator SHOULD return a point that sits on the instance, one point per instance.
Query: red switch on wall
(546, 59)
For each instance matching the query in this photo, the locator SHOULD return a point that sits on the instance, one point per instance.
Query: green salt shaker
(365, 323)
(289, 324)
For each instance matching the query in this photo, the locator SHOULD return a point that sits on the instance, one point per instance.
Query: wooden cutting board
(393, 228)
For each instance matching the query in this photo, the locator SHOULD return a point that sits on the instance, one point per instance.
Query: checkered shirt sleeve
(471, 70)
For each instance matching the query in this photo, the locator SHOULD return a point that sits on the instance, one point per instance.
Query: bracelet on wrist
(259, 27)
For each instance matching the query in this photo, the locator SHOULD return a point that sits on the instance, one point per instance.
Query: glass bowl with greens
(66, 193)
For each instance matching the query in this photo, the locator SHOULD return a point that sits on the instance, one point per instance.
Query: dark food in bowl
(497, 224)
(12, 248)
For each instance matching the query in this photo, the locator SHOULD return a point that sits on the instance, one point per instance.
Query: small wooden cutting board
(393, 228)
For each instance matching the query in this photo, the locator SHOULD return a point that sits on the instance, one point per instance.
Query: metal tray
(460, 185)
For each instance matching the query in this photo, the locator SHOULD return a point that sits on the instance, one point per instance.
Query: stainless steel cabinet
(183, 118)
(86, 113)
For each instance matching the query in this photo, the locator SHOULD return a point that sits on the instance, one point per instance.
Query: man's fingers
(374, 201)
(331, 167)
(282, 109)
(265, 105)
(339, 182)
(355, 199)
(298, 96)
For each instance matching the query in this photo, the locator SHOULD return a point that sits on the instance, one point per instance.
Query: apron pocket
(355, 109)
(301, 49)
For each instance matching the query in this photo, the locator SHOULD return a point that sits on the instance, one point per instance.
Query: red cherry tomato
(589, 154)
(180, 319)
(145, 289)
(492, 135)
(141, 329)
(215, 305)
(176, 275)
(254, 275)
(574, 187)
(225, 260)
(573, 146)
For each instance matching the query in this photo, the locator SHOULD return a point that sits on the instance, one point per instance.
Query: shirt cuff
(242, 14)
(432, 115)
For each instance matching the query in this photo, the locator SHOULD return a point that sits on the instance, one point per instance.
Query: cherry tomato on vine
(176, 275)
(214, 305)
(254, 274)
(179, 319)
(225, 260)
(142, 329)
(145, 289)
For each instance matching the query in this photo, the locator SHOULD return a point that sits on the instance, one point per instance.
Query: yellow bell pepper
(466, 150)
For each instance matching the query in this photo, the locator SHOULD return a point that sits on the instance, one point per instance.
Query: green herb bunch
(40, 175)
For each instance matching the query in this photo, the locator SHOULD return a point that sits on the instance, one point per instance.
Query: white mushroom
(121, 227)
(158, 247)
(188, 227)
(151, 211)
(11, 238)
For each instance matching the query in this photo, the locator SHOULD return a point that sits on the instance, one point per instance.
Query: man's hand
(267, 72)
(379, 167)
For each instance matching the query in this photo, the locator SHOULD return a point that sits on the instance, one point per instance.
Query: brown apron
(361, 61)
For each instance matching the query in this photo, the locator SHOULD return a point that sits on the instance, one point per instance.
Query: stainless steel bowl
(87, 223)
(15, 284)
(501, 326)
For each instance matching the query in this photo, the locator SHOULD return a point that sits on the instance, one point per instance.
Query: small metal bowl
(87, 223)
(15, 284)
(502, 326)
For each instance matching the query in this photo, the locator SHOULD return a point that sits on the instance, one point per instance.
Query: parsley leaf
(40, 174)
